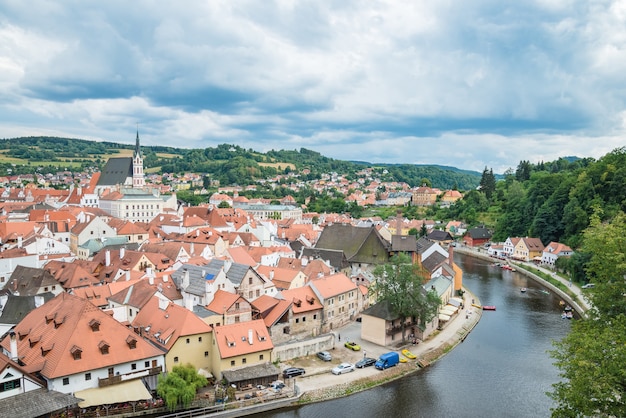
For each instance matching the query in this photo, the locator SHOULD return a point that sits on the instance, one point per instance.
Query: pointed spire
(137, 151)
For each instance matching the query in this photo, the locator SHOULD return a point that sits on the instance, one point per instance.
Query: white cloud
(475, 84)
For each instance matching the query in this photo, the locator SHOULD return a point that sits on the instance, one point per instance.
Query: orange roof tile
(242, 338)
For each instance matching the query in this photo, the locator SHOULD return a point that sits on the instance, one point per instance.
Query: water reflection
(503, 368)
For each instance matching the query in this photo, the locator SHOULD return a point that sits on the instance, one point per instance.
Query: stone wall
(303, 348)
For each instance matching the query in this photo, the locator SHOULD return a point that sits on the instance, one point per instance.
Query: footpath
(319, 384)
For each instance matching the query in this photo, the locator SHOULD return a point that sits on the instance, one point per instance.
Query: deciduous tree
(179, 386)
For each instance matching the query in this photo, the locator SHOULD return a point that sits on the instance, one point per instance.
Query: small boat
(406, 353)
(489, 308)
(569, 314)
(562, 303)
(568, 308)
(403, 359)
(563, 315)
(506, 267)
(544, 291)
(523, 290)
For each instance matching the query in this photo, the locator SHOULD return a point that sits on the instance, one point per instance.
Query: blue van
(387, 360)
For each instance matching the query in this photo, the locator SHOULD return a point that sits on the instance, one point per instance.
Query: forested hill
(230, 164)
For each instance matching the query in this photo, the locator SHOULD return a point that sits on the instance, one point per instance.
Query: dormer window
(49, 318)
(46, 349)
(22, 334)
(132, 342)
(58, 322)
(104, 347)
(94, 324)
(76, 352)
(33, 341)
(230, 341)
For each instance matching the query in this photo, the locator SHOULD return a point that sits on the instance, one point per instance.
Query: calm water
(501, 370)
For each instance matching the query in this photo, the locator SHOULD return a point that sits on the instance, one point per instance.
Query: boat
(506, 267)
(523, 290)
(406, 353)
(563, 315)
(569, 315)
(544, 291)
(489, 308)
(568, 308)
(403, 359)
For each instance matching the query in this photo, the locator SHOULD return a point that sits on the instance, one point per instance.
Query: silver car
(324, 355)
(343, 368)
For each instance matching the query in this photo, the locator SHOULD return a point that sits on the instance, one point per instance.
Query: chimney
(163, 304)
(399, 222)
(192, 249)
(271, 274)
(451, 255)
(250, 340)
(305, 261)
(127, 275)
(122, 252)
(151, 280)
(13, 346)
(19, 241)
(189, 304)
(107, 258)
(166, 278)
(38, 301)
(185, 279)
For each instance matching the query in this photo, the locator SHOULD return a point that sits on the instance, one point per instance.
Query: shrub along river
(502, 369)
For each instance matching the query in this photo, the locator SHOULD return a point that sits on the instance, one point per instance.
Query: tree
(223, 205)
(399, 283)
(592, 356)
(179, 386)
(488, 183)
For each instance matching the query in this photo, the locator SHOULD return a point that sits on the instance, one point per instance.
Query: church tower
(138, 179)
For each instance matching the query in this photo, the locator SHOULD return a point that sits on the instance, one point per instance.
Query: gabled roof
(333, 285)
(350, 239)
(241, 255)
(381, 310)
(17, 307)
(135, 295)
(438, 235)
(26, 281)
(164, 322)
(222, 301)
(48, 336)
(433, 261)
(303, 299)
(479, 233)
(70, 275)
(276, 313)
(116, 171)
(242, 338)
(404, 243)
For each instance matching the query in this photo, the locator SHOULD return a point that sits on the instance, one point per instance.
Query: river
(502, 369)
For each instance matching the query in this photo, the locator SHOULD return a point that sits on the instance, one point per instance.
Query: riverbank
(319, 384)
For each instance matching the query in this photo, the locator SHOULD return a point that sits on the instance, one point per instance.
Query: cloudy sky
(471, 84)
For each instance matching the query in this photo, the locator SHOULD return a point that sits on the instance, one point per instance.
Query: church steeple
(138, 178)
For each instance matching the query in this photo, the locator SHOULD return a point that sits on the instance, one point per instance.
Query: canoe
(406, 353)
(489, 308)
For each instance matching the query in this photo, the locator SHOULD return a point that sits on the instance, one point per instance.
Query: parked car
(292, 372)
(324, 355)
(343, 368)
(352, 346)
(365, 362)
(277, 385)
(588, 286)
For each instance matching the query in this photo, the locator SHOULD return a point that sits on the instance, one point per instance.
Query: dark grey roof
(336, 258)
(17, 307)
(258, 371)
(37, 403)
(235, 273)
(404, 243)
(360, 245)
(203, 312)
(479, 233)
(423, 244)
(439, 235)
(26, 281)
(116, 171)
(381, 310)
(433, 261)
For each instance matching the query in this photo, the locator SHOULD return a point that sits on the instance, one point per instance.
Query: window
(232, 362)
(260, 356)
(303, 318)
(206, 354)
(199, 339)
(110, 371)
(314, 316)
(66, 381)
(236, 305)
(146, 364)
(297, 320)
(243, 361)
(237, 319)
(10, 385)
(187, 340)
(87, 376)
(175, 359)
(133, 366)
(249, 280)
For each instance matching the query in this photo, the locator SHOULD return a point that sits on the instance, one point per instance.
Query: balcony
(112, 380)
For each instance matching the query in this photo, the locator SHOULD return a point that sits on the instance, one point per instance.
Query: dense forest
(229, 164)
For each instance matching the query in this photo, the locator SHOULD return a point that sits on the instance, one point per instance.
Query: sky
(469, 84)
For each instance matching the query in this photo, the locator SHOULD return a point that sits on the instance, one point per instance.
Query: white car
(343, 368)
